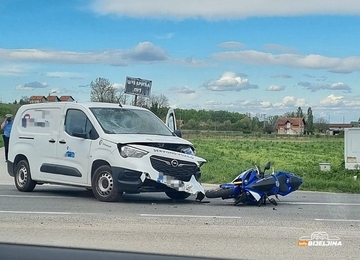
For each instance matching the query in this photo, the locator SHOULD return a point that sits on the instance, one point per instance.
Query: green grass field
(229, 155)
(226, 157)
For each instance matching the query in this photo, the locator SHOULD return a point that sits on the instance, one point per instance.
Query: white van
(108, 148)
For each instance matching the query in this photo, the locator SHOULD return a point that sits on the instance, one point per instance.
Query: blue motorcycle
(255, 187)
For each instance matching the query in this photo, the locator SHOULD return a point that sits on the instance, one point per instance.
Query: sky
(260, 57)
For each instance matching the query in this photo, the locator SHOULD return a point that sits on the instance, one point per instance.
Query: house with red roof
(291, 125)
(53, 99)
(67, 98)
(37, 99)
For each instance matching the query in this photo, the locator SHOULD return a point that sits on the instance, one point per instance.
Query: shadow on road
(79, 193)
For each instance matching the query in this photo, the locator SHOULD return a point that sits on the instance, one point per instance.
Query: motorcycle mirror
(267, 166)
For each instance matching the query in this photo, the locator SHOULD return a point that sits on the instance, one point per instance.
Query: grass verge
(226, 158)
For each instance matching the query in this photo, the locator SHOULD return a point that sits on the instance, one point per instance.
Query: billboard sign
(137, 86)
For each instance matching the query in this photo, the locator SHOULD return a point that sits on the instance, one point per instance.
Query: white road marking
(33, 196)
(36, 212)
(337, 220)
(321, 203)
(187, 216)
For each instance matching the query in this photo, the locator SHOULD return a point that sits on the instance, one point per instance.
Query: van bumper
(10, 168)
(128, 180)
(131, 181)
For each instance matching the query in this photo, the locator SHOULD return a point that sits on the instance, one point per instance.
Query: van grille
(181, 170)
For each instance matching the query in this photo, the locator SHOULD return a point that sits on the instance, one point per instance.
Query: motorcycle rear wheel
(219, 193)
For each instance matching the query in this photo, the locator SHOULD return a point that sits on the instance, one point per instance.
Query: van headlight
(128, 151)
(188, 150)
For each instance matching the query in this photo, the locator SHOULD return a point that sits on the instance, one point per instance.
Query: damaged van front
(149, 157)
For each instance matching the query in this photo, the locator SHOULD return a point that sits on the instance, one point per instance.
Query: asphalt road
(152, 223)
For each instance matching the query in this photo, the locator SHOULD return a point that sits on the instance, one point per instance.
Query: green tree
(310, 122)
(24, 100)
(246, 124)
(321, 125)
(158, 105)
(299, 112)
(191, 124)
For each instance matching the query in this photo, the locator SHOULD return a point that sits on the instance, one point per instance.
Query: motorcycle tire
(219, 193)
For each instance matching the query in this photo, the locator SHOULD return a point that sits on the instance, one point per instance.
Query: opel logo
(174, 163)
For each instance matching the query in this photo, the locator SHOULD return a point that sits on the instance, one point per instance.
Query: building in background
(53, 99)
(37, 99)
(43, 99)
(291, 125)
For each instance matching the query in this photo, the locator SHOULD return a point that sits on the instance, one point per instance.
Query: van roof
(83, 104)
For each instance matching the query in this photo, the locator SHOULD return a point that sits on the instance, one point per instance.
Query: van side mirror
(178, 133)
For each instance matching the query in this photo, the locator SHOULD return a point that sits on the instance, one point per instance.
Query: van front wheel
(23, 181)
(104, 186)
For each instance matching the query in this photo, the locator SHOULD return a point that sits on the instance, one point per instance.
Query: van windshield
(129, 121)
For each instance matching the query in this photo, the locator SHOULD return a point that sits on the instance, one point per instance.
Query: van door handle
(52, 141)
(62, 142)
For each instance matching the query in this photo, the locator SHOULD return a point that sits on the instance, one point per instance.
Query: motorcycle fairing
(288, 183)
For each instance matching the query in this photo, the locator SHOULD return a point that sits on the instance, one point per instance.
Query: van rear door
(40, 129)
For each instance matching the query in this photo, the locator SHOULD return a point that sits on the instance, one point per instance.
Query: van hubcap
(22, 176)
(105, 184)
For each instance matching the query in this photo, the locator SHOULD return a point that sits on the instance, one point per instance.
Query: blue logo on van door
(69, 153)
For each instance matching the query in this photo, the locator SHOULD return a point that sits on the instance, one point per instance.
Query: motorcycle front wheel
(219, 193)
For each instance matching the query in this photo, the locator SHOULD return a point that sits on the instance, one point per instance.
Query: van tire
(104, 187)
(177, 195)
(23, 181)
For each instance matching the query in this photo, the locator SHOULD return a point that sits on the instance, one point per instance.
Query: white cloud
(332, 101)
(143, 52)
(224, 9)
(32, 86)
(166, 36)
(231, 45)
(119, 86)
(325, 86)
(308, 76)
(275, 88)
(212, 103)
(191, 96)
(22, 87)
(312, 61)
(193, 62)
(229, 81)
(62, 74)
(291, 101)
(282, 76)
(265, 104)
(11, 70)
(353, 102)
(183, 90)
(54, 91)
